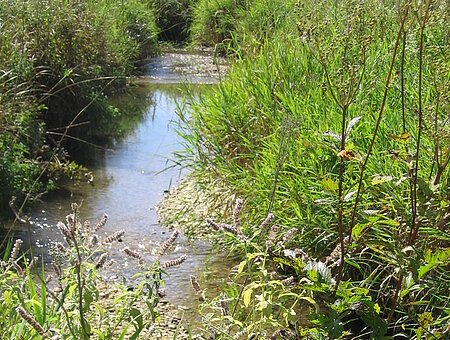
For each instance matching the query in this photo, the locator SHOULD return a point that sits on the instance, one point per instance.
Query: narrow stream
(130, 178)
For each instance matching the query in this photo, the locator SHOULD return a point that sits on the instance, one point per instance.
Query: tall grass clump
(174, 19)
(58, 61)
(240, 26)
(76, 301)
(340, 129)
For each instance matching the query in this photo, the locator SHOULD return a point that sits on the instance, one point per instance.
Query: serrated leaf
(434, 260)
(329, 185)
(358, 229)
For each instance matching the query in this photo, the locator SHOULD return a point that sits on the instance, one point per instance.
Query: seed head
(167, 243)
(195, 285)
(117, 236)
(213, 224)
(93, 241)
(67, 232)
(101, 223)
(15, 251)
(101, 261)
(266, 221)
(237, 212)
(175, 262)
(288, 235)
(272, 235)
(134, 254)
(31, 321)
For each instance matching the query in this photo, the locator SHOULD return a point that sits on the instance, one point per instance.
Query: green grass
(58, 61)
(273, 131)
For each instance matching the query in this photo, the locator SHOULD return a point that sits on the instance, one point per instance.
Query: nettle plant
(280, 291)
(270, 289)
(76, 305)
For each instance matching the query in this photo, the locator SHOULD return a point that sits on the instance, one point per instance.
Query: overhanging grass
(273, 130)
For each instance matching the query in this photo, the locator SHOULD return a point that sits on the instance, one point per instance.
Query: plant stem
(414, 223)
(341, 195)
(377, 125)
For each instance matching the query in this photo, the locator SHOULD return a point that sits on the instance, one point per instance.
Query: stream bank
(130, 177)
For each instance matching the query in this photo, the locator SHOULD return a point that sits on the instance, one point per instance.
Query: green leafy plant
(76, 307)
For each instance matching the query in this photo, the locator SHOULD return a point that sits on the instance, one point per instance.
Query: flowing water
(131, 176)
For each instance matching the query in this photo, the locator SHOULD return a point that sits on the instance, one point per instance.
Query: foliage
(241, 26)
(339, 128)
(75, 306)
(174, 19)
(58, 60)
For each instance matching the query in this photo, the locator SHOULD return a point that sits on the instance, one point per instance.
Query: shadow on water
(129, 181)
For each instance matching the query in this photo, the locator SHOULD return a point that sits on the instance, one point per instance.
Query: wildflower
(223, 304)
(71, 222)
(288, 235)
(87, 225)
(175, 262)
(93, 241)
(134, 254)
(194, 284)
(15, 251)
(167, 243)
(67, 232)
(223, 226)
(237, 211)
(101, 261)
(336, 253)
(31, 321)
(213, 224)
(288, 281)
(161, 292)
(272, 235)
(117, 236)
(101, 223)
(269, 218)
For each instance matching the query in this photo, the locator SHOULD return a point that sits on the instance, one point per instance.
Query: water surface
(131, 177)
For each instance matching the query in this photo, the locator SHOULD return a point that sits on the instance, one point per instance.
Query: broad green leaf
(7, 296)
(353, 264)
(434, 260)
(358, 229)
(241, 266)
(403, 138)
(247, 296)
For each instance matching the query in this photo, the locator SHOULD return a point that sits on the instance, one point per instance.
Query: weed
(74, 307)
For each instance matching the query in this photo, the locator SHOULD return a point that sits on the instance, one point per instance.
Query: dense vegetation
(76, 302)
(58, 60)
(335, 118)
(332, 126)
